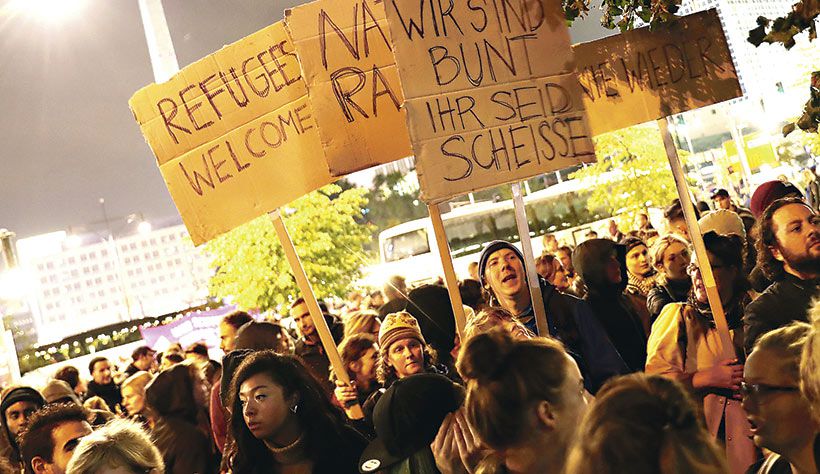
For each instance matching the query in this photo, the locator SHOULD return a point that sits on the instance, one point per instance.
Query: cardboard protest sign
(233, 133)
(491, 93)
(353, 84)
(643, 75)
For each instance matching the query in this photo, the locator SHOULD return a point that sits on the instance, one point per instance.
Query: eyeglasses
(757, 390)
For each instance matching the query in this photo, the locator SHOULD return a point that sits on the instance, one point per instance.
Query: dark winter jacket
(314, 356)
(571, 320)
(783, 302)
(185, 446)
(609, 304)
(109, 392)
(662, 294)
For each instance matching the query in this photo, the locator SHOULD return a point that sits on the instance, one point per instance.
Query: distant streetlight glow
(73, 241)
(49, 11)
(144, 227)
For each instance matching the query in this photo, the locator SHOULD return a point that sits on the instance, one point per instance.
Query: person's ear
(776, 253)
(355, 366)
(546, 415)
(38, 465)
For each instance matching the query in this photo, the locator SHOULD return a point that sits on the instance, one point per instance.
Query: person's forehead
(637, 249)
(22, 405)
(767, 366)
(257, 381)
(790, 212)
(405, 342)
(70, 430)
(502, 252)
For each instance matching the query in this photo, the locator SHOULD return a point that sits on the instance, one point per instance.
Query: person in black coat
(601, 263)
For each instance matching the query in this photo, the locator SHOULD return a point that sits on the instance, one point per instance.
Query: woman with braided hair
(644, 425)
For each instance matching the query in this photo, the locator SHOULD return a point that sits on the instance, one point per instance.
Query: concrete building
(76, 286)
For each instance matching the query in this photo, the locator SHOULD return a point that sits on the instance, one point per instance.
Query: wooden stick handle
(354, 412)
(449, 272)
(529, 262)
(726, 347)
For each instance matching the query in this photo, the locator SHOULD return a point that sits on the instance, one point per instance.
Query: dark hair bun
(485, 355)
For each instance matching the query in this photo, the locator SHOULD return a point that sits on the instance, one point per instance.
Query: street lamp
(46, 11)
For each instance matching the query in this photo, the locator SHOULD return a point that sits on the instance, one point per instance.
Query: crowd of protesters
(629, 325)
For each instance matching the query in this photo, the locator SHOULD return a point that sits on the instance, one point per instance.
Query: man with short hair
(788, 251)
(723, 201)
(472, 269)
(48, 442)
(197, 353)
(70, 375)
(16, 408)
(614, 233)
(501, 269)
(102, 384)
(142, 359)
(550, 243)
(309, 346)
(675, 221)
(228, 328)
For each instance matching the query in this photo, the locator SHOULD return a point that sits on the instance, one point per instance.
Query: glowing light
(144, 227)
(73, 241)
(49, 11)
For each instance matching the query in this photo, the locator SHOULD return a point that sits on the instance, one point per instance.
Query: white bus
(410, 250)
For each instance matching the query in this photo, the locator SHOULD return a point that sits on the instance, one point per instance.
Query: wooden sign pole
(449, 272)
(705, 266)
(354, 412)
(529, 262)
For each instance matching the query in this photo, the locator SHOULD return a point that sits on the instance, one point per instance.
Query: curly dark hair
(772, 267)
(322, 421)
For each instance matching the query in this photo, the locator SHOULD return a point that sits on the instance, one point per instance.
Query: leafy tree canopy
(250, 264)
(631, 174)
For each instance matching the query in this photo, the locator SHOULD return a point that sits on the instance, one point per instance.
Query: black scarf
(733, 311)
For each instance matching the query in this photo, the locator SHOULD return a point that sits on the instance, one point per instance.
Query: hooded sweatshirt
(10, 448)
(609, 305)
(185, 448)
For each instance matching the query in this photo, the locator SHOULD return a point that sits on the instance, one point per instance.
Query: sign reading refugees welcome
(644, 75)
(491, 92)
(233, 133)
(353, 84)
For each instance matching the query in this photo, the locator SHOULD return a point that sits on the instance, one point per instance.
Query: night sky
(67, 136)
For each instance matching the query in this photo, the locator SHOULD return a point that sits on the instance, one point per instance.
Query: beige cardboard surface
(643, 75)
(491, 96)
(233, 133)
(353, 85)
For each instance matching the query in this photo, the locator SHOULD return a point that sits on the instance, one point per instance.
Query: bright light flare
(47, 11)
(144, 227)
